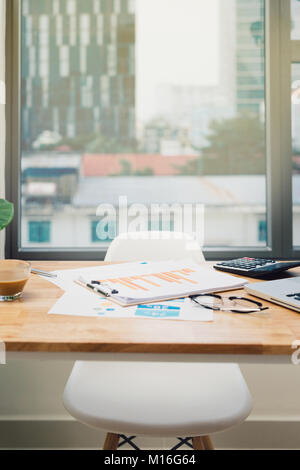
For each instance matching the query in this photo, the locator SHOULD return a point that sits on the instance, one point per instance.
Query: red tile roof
(109, 164)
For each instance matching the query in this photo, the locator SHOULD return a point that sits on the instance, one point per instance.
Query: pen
(99, 289)
(42, 273)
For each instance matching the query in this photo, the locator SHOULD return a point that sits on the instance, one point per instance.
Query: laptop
(285, 292)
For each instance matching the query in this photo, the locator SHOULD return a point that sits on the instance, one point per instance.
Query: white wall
(232, 226)
(31, 399)
(223, 226)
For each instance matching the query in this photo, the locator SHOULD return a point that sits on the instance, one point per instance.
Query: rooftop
(110, 164)
(210, 190)
(51, 160)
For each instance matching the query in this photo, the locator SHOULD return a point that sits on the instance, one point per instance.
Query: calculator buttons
(256, 267)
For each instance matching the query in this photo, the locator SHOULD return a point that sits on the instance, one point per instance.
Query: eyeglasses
(228, 304)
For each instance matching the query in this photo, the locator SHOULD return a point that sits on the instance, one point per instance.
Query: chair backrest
(154, 246)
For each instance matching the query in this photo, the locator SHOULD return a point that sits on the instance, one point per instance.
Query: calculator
(255, 267)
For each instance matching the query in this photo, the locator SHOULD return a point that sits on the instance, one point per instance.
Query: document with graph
(144, 282)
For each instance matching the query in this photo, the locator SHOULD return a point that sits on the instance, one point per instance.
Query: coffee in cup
(13, 276)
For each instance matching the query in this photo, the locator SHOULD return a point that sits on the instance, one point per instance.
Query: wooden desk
(25, 327)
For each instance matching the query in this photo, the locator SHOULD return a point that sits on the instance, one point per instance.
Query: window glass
(38, 231)
(103, 230)
(295, 105)
(295, 19)
(126, 106)
(262, 231)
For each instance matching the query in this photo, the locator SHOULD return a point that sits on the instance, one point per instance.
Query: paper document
(78, 301)
(138, 283)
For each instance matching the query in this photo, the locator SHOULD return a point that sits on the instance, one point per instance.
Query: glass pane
(139, 114)
(296, 151)
(295, 19)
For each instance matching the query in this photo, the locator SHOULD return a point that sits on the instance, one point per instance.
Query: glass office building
(122, 97)
(250, 61)
(78, 70)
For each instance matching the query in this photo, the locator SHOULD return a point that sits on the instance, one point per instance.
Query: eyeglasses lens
(226, 304)
(244, 305)
(209, 301)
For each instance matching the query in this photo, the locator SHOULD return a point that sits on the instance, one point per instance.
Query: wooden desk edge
(144, 348)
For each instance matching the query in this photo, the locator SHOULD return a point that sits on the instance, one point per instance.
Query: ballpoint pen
(42, 273)
(96, 287)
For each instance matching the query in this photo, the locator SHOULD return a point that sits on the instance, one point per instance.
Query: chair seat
(154, 246)
(157, 398)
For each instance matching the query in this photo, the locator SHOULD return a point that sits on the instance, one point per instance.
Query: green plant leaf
(6, 213)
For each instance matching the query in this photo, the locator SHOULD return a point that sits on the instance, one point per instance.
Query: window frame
(280, 51)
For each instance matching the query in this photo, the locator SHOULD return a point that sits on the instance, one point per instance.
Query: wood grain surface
(26, 326)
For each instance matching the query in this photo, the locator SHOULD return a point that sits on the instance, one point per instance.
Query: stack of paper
(140, 286)
(87, 304)
(136, 283)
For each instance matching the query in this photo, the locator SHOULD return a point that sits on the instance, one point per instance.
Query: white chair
(155, 246)
(157, 398)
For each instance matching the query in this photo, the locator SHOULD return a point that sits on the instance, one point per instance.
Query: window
(295, 19)
(102, 231)
(160, 224)
(125, 107)
(295, 119)
(39, 231)
(296, 151)
(262, 231)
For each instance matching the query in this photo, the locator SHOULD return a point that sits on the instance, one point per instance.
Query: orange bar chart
(135, 282)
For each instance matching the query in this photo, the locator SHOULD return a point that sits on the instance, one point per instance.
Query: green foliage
(78, 143)
(193, 167)
(6, 213)
(101, 144)
(126, 170)
(94, 143)
(236, 147)
(147, 171)
(98, 143)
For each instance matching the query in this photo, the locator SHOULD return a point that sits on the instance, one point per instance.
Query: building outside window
(39, 231)
(262, 231)
(102, 231)
(122, 99)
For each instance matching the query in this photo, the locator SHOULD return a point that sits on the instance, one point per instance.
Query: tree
(126, 170)
(235, 147)
(95, 143)
(102, 144)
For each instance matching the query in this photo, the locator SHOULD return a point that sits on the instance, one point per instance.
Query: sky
(176, 43)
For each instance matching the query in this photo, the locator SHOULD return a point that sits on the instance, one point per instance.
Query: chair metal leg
(111, 441)
(208, 445)
(198, 443)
